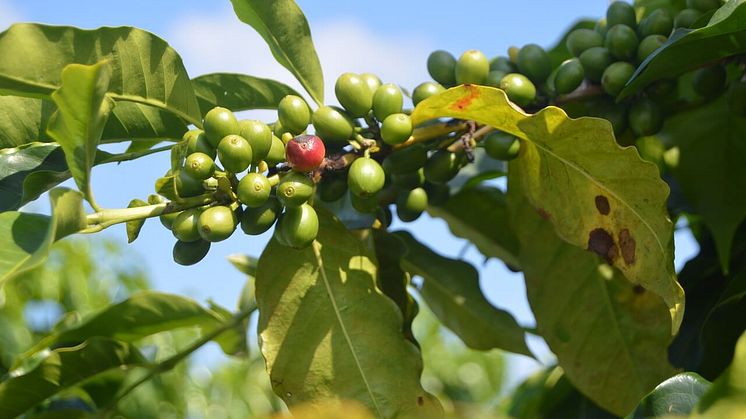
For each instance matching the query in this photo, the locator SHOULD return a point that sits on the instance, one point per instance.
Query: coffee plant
(629, 126)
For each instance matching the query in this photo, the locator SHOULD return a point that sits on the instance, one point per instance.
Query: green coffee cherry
(217, 223)
(425, 90)
(651, 149)
(331, 125)
(387, 100)
(570, 75)
(622, 42)
(442, 67)
(396, 128)
(494, 78)
(518, 88)
(199, 166)
(364, 204)
(219, 122)
(580, 40)
(411, 204)
(472, 68)
(658, 22)
(616, 76)
(331, 190)
(601, 27)
(443, 166)
(595, 60)
(645, 117)
(253, 190)
(168, 219)
(259, 136)
(187, 186)
(687, 18)
(354, 94)
(407, 181)
(372, 81)
(703, 5)
(294, 114)
(278, 129)
(276, 152)
(294, 189)
(502, 64)
(255, 221)
(437, 193)
(234, 153)
(190, 253)
(709, 82)
(366, 177)
(501, 146)
(534, 62)
(406, 160)
(297, 227)
(648, 45)
(621, 13)
(197, 142)
(185, 225)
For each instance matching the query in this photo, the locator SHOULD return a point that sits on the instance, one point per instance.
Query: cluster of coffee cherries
(603, 59)
(235, 166)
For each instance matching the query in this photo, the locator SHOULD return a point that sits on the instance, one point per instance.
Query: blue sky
(389, 38)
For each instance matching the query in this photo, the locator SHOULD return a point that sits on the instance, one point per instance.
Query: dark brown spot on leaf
(544, 214)
(601, 243)
(627, 244)
(420, 400)
(471, 93)
(602, 205)
(638, 290)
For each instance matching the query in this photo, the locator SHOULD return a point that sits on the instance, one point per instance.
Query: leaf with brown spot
(602, 204)
(610, 339)
(563, 165)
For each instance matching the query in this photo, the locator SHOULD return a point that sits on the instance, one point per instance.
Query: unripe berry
(253, 190)
(472, 67)
(442, 67)
(294, 114)
(218, 123)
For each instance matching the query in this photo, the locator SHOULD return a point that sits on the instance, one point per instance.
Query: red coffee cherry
(305, 153)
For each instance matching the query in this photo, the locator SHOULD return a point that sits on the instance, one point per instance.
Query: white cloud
(8, 15)
(221, 43)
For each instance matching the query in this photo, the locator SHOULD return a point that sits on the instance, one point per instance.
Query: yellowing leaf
(598, 195)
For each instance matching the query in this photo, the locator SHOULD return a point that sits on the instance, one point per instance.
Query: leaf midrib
(338, 315)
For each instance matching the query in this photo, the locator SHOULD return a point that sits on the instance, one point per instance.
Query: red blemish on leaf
(601, 243)
(471, 93)
(628, 245)
(544, 214)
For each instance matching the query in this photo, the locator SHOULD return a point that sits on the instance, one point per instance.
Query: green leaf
(466, 214)
(34, 168)
(244, 263)
(25, 238)
(610, 336)
(559, 52)
(327, 332)
(79, 120)
(239, 92)
(392, 280)
(723, 326)
(685, 49)
(676, 396)
(451, 290)
(64, 368)
(712, 152)
(24, 120)
(140, 315)
(145, 69)
(598, 195)
(284, 28)
(134, 226)
(726, 398)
